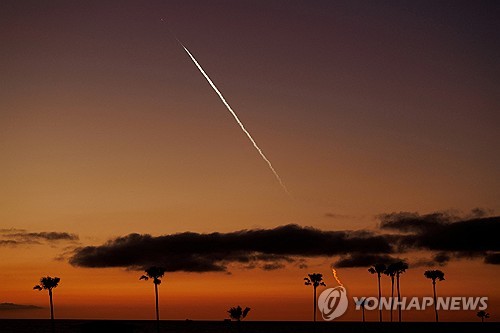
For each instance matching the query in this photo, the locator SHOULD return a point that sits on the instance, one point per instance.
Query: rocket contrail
(336, 277)
(236, 118)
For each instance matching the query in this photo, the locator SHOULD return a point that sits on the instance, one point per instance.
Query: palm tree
(155, 273)
(391, 272)
(237, 313)
(483, 314)
(314, 279)
(435, 275)
(400, 267)
(378, 269)
(49, 283)
(363, 309)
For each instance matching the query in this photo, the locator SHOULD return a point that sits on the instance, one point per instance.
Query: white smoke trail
(237, 119)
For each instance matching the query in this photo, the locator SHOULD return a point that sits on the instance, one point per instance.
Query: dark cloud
(492, 258)
(273, 266)
(8, 242)
(35, 236)
(480, 212)
(470, 236)
(14, 237)
(413, 222)
(14, 307)
(195, 252)
(441, 258)
(364, 260)
(444, 235)
(449, 236)
(437, 259)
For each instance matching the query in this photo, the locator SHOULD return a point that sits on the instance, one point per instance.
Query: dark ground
(145, 326)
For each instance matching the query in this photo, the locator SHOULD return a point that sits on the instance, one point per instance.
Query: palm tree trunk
(399, 297)
(157, 310)
(379, 297)
(51, 310)
(435, 300)
(314, 304)
(392, 295)
(363, 307)
(51, 306)
(482, 319)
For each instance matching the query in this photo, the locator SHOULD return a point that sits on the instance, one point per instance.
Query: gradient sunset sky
(364, 108)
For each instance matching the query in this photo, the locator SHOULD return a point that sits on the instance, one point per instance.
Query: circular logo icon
(332, 303)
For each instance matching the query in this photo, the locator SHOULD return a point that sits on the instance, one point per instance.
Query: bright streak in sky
(237, 119)
(334, 271)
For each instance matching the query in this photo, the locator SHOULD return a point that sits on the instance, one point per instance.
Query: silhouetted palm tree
(435, 275)
(483, 314)
(378, 269)
(237, 313)
(49, 283)
(400, 267)
(155, 273)
(315, 280)
(391, 272)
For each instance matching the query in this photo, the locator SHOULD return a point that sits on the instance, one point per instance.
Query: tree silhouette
(391, 272)
(155, 273)
(483, 314)
(435, 275)
(400, 267)
(378, 269)
(237, 313)
(49, 283)
(315, 280)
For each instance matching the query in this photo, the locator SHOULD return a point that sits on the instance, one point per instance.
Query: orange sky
(107, 128)
(276, 295)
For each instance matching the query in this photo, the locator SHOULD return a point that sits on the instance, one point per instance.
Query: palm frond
(245, 312)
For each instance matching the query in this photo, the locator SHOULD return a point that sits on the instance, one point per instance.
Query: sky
(377, 117)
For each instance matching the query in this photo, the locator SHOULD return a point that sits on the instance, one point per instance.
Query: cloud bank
(194, 252)
(445, 236)
(14, 237)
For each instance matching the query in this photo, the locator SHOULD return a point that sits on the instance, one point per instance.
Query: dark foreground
(145, 326)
